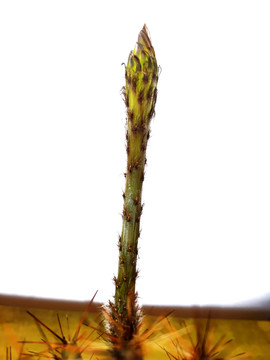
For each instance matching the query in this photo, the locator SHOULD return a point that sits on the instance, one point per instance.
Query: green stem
(140, 97)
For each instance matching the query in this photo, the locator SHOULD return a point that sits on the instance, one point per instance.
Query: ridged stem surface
(140, 95)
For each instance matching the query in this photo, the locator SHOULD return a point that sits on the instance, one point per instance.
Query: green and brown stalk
(140, 95)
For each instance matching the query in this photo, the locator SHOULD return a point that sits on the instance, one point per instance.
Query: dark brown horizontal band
(245, 313)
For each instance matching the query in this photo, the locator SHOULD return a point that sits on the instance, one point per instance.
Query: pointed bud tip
(145, 42)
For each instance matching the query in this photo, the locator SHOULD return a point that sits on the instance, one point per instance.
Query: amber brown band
(245, 313)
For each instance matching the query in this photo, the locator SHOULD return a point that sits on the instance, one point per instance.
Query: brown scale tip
(144, 40)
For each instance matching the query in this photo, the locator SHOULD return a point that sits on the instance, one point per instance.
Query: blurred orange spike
(204, 346)
(46, 327)
(83, 317)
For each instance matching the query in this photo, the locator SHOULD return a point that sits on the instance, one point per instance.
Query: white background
(205, 226)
